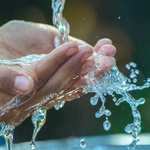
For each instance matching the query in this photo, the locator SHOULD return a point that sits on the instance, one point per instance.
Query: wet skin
(54, 75)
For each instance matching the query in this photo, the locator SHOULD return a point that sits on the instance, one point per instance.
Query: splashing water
(7, 131)
(60, 22)
(62, 37)
(63, 31)
(83, 143)
(114, 82)
(38, 120)
(8, 136)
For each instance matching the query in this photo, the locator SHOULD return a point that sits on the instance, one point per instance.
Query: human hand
(53, 75)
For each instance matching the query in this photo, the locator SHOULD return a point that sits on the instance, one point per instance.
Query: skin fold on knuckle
(6, 80)
(59, 60)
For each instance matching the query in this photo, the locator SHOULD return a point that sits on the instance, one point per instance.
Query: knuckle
(6, 82)
(75, 68)
(41, 81)
(60, 60)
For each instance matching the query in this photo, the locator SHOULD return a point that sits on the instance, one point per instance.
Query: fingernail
(104, 41)
(71, 51)
(103, 49)
(21, 83)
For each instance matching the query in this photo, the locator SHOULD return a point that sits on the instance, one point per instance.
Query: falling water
(39, 116)
(115, 83)
(63, 31)
(83, 143)
(38, 119)
(112, 83)
(8, 136)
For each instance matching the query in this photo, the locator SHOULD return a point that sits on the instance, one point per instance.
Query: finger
(64, 75)
(15, 83)
(106, 63)
(107, 49)
(60, 80)
(73, 88)
(102, 42)
(78, 41)
(47, 66)
(88, 66)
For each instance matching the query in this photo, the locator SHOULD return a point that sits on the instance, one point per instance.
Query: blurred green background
(127, 23)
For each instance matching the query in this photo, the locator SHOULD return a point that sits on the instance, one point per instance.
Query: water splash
(115, 83)
(83, 143)
(62, 37)
(60, 22)
(38, 120)
(106, 124)
(8, 136)
(59, 105)
(4, 129)
(63, 31)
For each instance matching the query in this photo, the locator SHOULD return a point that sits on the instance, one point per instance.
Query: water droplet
(105, 93)
(107, 112)
(134, 80)
(137, 71)
(110, 92)
(119, 17)
(83, 143)
(128, 128)
(32, 145)
(146, 84)
(114, 99)
(129, 80)
(128, 66)
(148, 79)
(94, 100)
(98, 67)
(119, 101)
(133, 75)
(134, 143)
(62, 103)
(99, 113)
(57, 41)
(141, 101)
(133, 64)
(107, 125)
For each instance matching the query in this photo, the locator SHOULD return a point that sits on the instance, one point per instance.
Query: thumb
(15, 83)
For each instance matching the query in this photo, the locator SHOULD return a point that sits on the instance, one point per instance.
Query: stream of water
(112, 83)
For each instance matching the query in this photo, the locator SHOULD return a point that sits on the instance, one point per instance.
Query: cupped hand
(56, 77)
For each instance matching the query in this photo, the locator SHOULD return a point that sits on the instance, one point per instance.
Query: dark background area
(127, 23)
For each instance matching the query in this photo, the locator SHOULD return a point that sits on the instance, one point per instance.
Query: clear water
(115, 83)
(8, 136)
(38, 120)
(39, 116)
(112, 83)
(83, 143)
